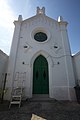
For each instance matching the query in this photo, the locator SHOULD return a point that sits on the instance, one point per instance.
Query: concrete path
(50, 110)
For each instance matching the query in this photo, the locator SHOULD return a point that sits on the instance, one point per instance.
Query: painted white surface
(61, 76)
(3, 67)
(76, 63)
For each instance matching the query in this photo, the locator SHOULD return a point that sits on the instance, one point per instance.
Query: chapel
(41, 56)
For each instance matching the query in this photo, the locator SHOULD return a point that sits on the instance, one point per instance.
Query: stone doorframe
(50, 70)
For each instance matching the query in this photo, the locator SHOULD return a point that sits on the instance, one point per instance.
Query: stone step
(41, 97)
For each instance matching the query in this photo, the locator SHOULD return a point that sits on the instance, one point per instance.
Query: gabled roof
(39, 16)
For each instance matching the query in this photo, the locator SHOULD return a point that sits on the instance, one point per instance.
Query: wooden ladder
(17, 89)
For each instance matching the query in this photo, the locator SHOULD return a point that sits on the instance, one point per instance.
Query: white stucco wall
(76, 63)
(3, 66)
(61, 76)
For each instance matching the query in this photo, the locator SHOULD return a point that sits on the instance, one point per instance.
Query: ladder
(17, 90)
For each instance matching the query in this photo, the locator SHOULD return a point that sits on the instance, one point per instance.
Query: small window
(40, 37)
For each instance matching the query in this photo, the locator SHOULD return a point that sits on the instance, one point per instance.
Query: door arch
(40, 76)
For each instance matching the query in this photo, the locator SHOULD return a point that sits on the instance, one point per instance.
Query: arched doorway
(40, 76)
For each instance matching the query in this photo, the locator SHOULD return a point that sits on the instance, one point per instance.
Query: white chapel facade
(40, 48)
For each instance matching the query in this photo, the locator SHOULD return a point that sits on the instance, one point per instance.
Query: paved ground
(51, 110)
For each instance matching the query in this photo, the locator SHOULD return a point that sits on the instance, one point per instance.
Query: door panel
(45, 88)
(40, 76)
(37, 81)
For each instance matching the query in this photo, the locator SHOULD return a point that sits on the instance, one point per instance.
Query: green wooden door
(40, 76)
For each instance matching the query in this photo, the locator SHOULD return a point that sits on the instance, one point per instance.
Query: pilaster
(68, 59)
(12, 57)
(64, 37)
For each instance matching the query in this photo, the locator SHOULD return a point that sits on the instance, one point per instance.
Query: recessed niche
(55, 46)
(25, 46)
